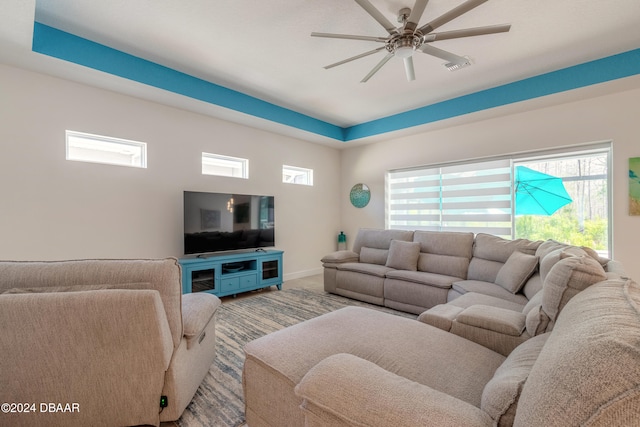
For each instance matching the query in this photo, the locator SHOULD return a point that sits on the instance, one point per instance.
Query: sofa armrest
(340, 257)
(495, 319)
(346, 390)
(197, 311)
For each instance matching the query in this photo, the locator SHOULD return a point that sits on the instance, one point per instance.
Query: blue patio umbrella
(538, 193)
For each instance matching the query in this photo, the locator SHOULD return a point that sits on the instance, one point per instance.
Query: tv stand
(232, 273)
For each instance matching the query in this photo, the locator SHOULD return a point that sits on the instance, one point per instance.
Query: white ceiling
(264, 48)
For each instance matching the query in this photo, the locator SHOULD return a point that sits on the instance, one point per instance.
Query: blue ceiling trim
(59, 44)
(599, 71)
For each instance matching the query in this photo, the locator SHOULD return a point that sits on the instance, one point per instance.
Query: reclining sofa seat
(112, 336)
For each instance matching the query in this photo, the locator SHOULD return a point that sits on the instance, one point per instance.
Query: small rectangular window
(84, 147)
(296, 175)
(216, 164)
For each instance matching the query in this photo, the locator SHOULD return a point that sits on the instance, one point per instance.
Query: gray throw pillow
(515, 272)
(403, 255)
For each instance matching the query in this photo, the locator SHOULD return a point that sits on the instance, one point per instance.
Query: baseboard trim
(301, 274)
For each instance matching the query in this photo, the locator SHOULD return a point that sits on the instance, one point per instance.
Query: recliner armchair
(114, 339)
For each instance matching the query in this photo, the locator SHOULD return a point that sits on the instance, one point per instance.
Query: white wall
(51, 208)
(611, 117)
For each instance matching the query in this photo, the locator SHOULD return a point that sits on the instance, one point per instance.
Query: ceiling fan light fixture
(404, 51)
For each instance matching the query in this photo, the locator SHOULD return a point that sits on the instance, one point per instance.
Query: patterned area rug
(219, 400)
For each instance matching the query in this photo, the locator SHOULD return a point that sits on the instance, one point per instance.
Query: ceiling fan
(405, 40)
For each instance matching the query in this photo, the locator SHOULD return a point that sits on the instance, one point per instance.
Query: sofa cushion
(533, 285)
(373, 255)
(500, 395)
(567, 278)
(162, 275)
(491, 252)
(379, 239)
(503, 321)
(77, 288)
(473, 298)
(422, 277)
(591, 359)
(553, 257)
(488, 288)
(537, 321)
(483, 269)
(403, 255)
(496, 248)
(515, 272)
(360, 267)
(444, 252)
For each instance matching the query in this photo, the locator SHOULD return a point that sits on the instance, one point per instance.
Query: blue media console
(232, 273)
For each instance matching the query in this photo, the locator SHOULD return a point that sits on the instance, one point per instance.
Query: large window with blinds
(460, 197)
(481, 197)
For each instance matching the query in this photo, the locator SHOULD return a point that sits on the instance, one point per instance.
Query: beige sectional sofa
(572, 360)
(413, 271)
(483, 287)
(103, 338)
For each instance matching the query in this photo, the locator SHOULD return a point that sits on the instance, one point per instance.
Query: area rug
(219, 400)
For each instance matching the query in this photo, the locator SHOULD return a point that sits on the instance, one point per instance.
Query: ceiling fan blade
(468, 32)
(353, 58)
(349, 37)
(408, 69)
(416, 14)
(377, 67)
(375, 13)
(442, 54)
(451, 15)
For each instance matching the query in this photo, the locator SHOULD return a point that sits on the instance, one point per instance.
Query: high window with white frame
(480, 196)
(90, 148)
(216, 164)
(297, 175)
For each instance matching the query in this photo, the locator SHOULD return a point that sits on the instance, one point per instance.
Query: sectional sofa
(413, 271)
(482, 287)
(579, 366)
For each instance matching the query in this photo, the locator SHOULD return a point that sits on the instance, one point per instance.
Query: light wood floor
(310, 282)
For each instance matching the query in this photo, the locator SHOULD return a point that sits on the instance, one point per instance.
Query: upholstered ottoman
(276, 363)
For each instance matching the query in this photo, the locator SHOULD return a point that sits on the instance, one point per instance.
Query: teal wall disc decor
(360, 195)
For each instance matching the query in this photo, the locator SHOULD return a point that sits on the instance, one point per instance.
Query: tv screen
(222, 222)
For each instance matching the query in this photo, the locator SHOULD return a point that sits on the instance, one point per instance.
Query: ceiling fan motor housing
(403, 45)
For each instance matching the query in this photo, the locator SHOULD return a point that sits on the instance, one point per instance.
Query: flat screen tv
(216, 222)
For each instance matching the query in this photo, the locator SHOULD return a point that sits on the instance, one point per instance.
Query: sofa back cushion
(373, 255)
(568, 277)
(377, 243)
(163, 275)
(444, 252)
(500, 395)
(587, 373)
(490, 253)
